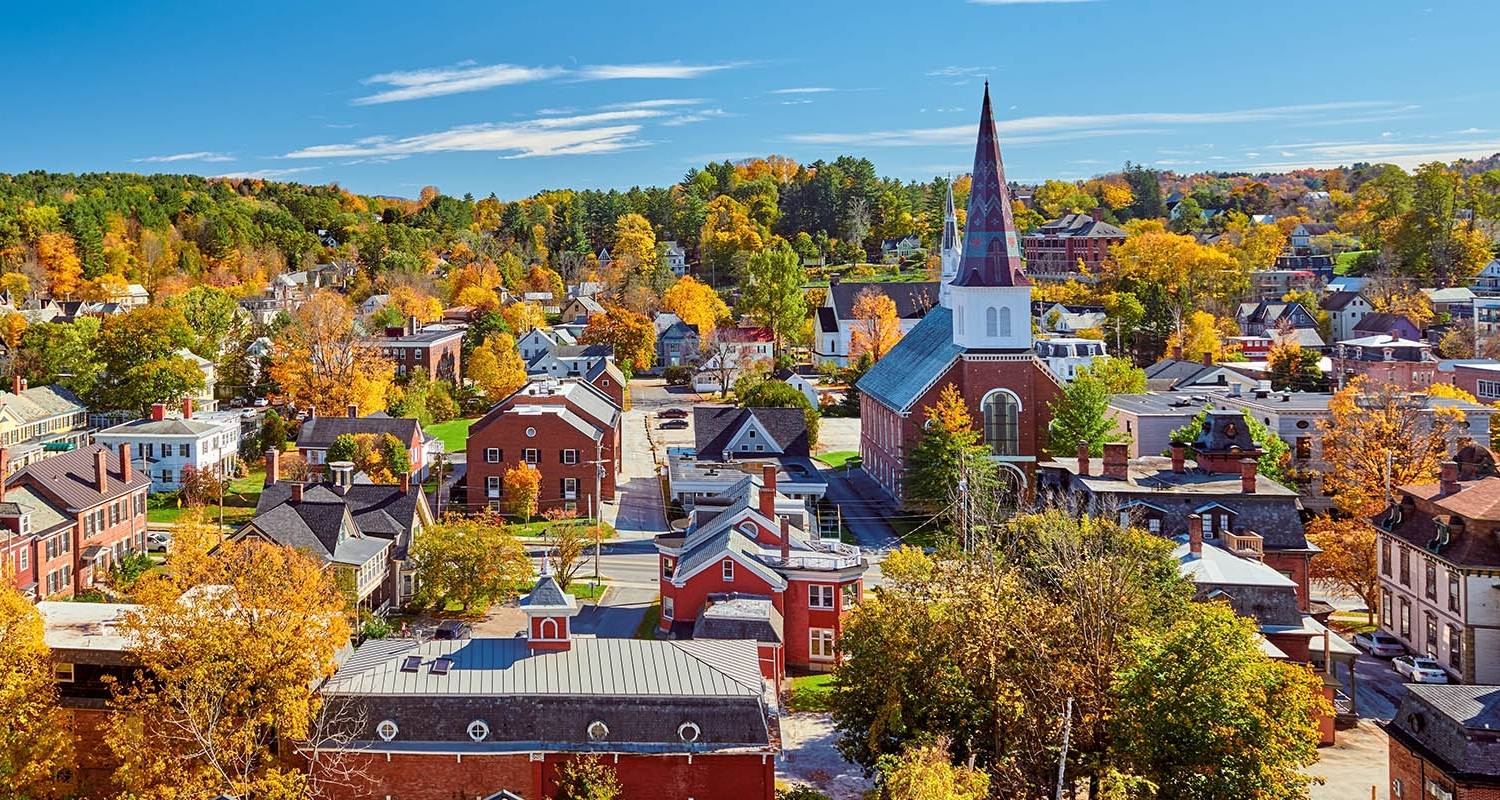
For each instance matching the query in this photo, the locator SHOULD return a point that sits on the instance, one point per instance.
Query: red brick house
(751, 542)
(83, 510)
(1479, 378)
(978, 339)
(1054, 249)
(437, 353)
(568, 429)
(1385, 359)
(496, 718)
(1442, 744)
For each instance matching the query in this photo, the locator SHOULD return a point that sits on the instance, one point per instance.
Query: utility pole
(1062, 758)
(598, 482)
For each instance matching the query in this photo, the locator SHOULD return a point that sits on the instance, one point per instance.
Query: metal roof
(914, 363)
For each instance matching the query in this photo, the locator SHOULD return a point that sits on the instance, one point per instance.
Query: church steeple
(951, 250)
(991, 249)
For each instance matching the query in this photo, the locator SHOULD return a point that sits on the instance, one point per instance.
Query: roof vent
(440, 666)
(598, 731)
(411, 663)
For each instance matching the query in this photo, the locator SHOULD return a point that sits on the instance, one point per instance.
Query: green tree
(587, 778)
(1118, 374)
(273, 433)
(141, 365)
(211, 313)
(949, 451)
(55, 352)
(469, 562)
(394, 455)
(344, 447)
(1080, 413)
(1205, 715)
(926, 772)
(772, 291)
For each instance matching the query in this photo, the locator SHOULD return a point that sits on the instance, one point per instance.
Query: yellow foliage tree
(12, 328)
(413, 302)
(1188, 273)
(496, 367)
(877, 328)
(1374, 427)
(727, 229)
(635, 242)
(1202, 335)
(523, 317)
(478, 297)
(17, 285)
(1388, 298)
(1348, 560)
(321, 363)
(1252, 245)
(695, 303)
(1451, 392)
(35, 743)
(58, 255)
(522, 488)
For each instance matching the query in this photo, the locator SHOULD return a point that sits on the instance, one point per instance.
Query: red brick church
(978, 339)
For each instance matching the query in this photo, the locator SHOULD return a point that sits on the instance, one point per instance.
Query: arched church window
(991, 324)
(1002, 423)
(1004, 322)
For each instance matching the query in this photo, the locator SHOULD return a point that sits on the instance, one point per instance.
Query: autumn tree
(1118, 374)
(772, 291)
(927, 772)
(35, 742)
(1203, 335)
(228, 675)
(522, 487)
(1252, 245)
(412, 302)
(876, 327)
(727, 232)
(139, 354)
(1080, 413)
(496, 368)
(1056, 198)
(12, 328)
(635, 241)
(696, 304)
(472, 562)
(587, 777)
(57, 254)
(322, 363)
(1388, 297)
(631, 334)
(949, 451)
(1293, 368)
(1378, 432)
(211, 313)
(570, 544)
(1348, 561)
(522, 318)
(1171, 274)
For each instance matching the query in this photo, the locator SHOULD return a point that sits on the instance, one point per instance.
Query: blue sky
(514, 97)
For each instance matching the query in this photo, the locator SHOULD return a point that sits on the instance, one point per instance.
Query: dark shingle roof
(1455, 724)
(1337, 301)
(751, 617)
(714, 427)
(828, 321)
(382, 511)
(1376, 322)
(319, 432)
(912, 300)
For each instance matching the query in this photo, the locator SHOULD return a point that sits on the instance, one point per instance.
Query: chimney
(1117, 461)
(1179, 457)
(101, 469)
(1208, 358)
(1195, 535)
(1177, 352)
(413, 326)
(1448, 480)
(786, 541)
(342, 472)
(17, 384)
(187, 408)
(158, 412)
(1247, 475)
(273, 466)
(1097, 213)
(1083, 459)
(768, 491)
(353, 410)
(394, 331)
(296, 493)
(125, 466)
(405, 482)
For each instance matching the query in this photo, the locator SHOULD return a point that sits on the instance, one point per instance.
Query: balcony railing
(1246, 545)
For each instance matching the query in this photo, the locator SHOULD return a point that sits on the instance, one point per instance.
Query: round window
(1302, 423)
(598, 731)
(478, 730)
(530, 432)
(688, 731)
(386, 730)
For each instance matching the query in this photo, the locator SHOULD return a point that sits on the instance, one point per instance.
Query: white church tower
(951, 250)
(990, 296)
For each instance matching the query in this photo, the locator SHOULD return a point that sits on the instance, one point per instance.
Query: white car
(1379, 644)
(1418, 669)
(261, 402)
(158, 542)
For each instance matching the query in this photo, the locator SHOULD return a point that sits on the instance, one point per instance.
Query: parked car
(1379, 644)
(674, 413)
(248, 413)
(158, 542)
(674, 424)
(1419, 669)
(452, 629)
(261, 402)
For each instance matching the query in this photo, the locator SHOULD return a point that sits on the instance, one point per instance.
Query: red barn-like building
(978, 339)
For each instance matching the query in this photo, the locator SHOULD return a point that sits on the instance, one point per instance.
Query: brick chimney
(101, 469)
(1097, 213)
(786, 541)
(1083, 459)
(125, 466)
(1448, 478)
(353, 410)
(768, 490)
(273, 466)
(187, 408)
(1208, 359)
(1179, 458)
(158, 412)
(1247, 475)
(1117, 461)
(17, 384)
(1195, 535)
(296, 493)
(405, 482)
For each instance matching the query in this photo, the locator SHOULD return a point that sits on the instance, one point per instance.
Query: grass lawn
(454, 433)
(910, 528)
(585, 590)
(1343, 261)
(170, 514)
(838, 458)
(1350, 622)
(811, 692)
(540, 527)
(647, 628)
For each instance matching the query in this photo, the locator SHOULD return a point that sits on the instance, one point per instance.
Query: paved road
(638, 512)
(865, 508)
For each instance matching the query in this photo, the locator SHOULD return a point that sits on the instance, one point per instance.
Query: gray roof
(737, 616)
(1079, 226)
(913, 300)
(1455, 725)
(171, 426)
(379, 510)
(41, 402)
(715, 427)
(45, 517)
(319, 432)
(914, 363)
(320, 524)
(69, 480)
(548, 594)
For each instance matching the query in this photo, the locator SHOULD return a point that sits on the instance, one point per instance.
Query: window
(492, 455)
(1385, 557)
(1153, 524)
(1488, 389)
(668, 567)
(728, 569)
(1002, 423)
(570, 488)
(182, 450)
(820, 644)
(1405, 619)
(1405, 567)
(532, 455)
(820, 595)
(1385, 609)
(850, 595)
(1396, 787)
(570, 456)
(1304, 447)
(1429, 579)
(1452, 590)
(1432, 633)
(62, 672)
(1005, 322)
(24, 560)
(492, 485)
(667, 608)
(1455, 647)
(991, 322)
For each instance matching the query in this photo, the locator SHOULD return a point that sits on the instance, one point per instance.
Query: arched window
(991, 325)
(1004, 322)
(1002, 423)
(549, 628)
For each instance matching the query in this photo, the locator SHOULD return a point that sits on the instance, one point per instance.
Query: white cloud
(660, 103)
(803, 90)
(804, 101)
(200, 155)
(544, 136)
(269, 174)
(696, 116)
(666, 71)
(959, 72)
(417, 84)
(1027, 2)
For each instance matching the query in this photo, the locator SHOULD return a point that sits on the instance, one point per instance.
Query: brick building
(978, 339)
(436, 352)
(496, 718)
(569, 430)
(1479, 378)
(1442, 744)
(751, 542)
(1384, 358)
(1054, 249)
(88, 650)
(81, 512)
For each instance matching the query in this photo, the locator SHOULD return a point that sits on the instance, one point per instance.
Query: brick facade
(1412, 771)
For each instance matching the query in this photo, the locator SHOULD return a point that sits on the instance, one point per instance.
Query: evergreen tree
(1081, 414)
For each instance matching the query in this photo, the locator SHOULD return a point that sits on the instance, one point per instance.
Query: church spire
(991, 249)
(951, 250)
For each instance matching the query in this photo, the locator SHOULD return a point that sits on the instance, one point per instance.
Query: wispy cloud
(803, 90)
(269, 174)
(674, 102)
(1057, 127)
(201, 155)
(696, 116)
(1027, 2)
(959, 72)
(1385, 151)
(402, 85)
(543, 136)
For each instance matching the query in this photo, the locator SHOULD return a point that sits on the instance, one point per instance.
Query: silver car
(1418, 669)
(1379, 644)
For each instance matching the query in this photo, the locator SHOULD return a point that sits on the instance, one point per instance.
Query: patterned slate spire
(992, 251)
(950, 222)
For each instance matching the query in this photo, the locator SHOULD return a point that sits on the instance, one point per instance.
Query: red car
(674, 413)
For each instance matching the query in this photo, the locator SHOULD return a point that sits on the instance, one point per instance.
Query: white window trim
(817, 593)
(815, 636)
(726, 569)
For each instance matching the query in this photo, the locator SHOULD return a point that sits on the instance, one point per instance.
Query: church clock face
(1231, 430)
